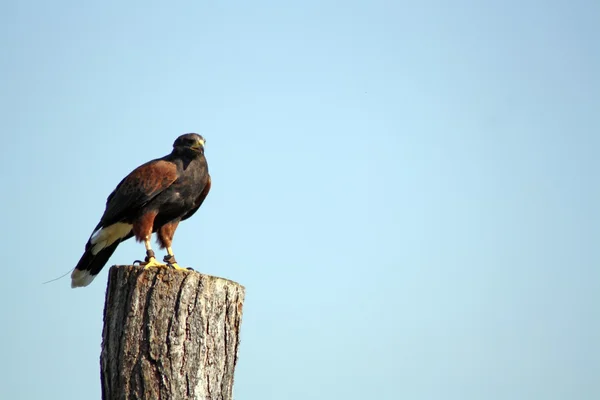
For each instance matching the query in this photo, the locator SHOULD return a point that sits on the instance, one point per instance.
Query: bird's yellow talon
(153, 263)
(177, 266)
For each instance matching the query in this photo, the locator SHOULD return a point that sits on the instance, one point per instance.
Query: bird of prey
(154, 197)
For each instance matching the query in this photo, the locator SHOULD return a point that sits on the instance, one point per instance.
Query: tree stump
(169, 334)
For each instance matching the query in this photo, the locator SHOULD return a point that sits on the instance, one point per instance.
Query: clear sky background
(408, 190)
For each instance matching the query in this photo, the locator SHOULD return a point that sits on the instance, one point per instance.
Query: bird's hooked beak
(199, 145)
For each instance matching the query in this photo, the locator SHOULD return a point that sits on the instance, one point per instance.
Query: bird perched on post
(154, 197)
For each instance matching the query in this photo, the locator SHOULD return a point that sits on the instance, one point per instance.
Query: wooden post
(169, 335)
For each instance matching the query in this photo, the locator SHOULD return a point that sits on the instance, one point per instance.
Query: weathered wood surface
(169, 335)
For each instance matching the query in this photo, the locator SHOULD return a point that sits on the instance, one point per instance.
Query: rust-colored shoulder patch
(153, 176)
(142, 184)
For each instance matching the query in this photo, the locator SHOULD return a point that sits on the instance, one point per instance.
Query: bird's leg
(170, 259)
(150, 260)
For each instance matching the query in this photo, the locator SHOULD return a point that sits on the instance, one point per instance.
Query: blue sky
(407, 190)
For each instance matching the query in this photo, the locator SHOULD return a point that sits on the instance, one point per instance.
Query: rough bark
(169, 335)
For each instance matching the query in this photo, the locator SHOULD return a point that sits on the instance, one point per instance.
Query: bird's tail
(91, 264)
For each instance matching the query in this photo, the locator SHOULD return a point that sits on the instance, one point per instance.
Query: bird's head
(190, 143)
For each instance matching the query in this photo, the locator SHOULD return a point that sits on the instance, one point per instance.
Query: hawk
(154, 197)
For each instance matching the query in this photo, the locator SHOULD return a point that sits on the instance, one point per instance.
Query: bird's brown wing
(137, 189)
